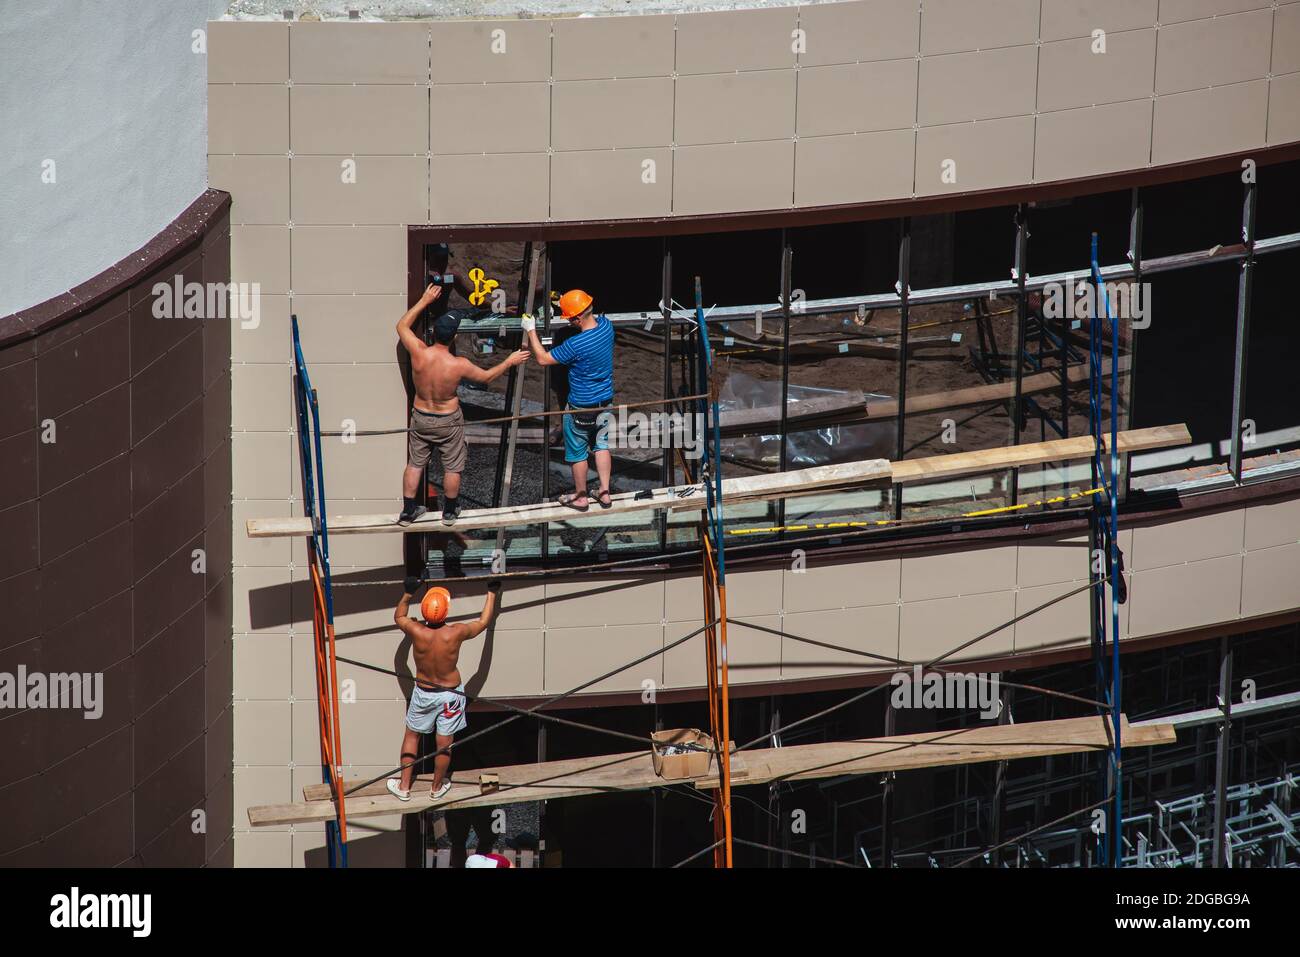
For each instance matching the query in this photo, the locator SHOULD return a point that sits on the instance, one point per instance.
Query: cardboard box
(690, 764)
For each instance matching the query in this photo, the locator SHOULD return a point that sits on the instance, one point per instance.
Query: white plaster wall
(113, 92)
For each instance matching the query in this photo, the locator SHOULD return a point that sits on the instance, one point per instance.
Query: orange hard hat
(435, 605)
(574, 303)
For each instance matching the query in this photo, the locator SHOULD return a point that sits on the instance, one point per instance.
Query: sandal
(569, 498)
(603, 499)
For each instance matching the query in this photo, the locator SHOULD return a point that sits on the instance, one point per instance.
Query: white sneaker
(442, 791)
(395, 789)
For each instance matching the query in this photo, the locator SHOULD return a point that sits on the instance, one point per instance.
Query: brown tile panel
(171, 793)
(165, 386)
(18, 398)
(86, 366)
(21, 621)
(165, 524)
(86, 437)
(18, 553)
(101, 839)
(167, 593)
(167, 454)
(18, 477)
(168, 659)
(169, 727)
(84, 577)
(67, 791)
(219, 803)
(95, 640)
(66, 522)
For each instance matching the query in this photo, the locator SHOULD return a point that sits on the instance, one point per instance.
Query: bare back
(437, 652)
(436, 374)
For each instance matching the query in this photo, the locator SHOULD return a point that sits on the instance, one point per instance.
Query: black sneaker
(410, 514)
(450, 514)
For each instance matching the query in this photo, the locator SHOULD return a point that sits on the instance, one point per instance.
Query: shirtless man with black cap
(436, 419)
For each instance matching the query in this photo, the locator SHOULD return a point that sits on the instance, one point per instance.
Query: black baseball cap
(446, 325)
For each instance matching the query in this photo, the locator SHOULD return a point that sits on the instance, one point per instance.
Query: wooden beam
(1037, 453)
(674, 498)
(634, 771)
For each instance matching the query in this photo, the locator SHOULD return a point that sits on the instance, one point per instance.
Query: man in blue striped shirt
(589, 354)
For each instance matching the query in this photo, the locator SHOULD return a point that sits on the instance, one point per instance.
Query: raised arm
(479, 625)
(400, 617)
(483, 376)
(404, 330)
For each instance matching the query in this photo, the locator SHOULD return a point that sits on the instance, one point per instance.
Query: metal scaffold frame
(312, 467)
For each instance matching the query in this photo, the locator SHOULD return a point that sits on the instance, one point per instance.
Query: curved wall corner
(115, 444)
(104, 135)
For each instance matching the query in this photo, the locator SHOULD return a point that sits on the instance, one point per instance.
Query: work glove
(527, 323)
(410, 584)
(494, 586)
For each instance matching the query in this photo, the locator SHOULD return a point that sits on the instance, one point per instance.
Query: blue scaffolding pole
(312, 468)
(1105, 525)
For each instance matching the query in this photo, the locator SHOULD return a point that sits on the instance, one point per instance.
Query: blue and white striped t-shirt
(590, 358)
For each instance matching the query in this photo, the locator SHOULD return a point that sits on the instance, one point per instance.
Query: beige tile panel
(607, 184)
(1209, 122)
(248, 118)
(365, 471)
(263, 601)
(509, 665)
(1284, 109)
(856, 168)
(1047, 562)
(348, 328)
(736, 40)
(1201, 53)
(263, 733)
(489, 189)
(372, 120)
(360, 52)
(268, 339)
(977, 86)
(388, 650)
(735, 177)
(1286, 40)
(750, 594)
(256, 786)
(1056, 625)
(522, 606)
(491, 51)
(954, 26)
(932, 628)
(987, 154)
(1069, 144)
(1071, 75)
(857, 97)
(265, 552)
(733, 107)
(1176, 11)
(1062, 19)
(950, 573)
(370, 844)
(1178, 597)
(753, 654)
(260, 463)
(860, 30)
(262, 397)
(610, 601)
(260, 254)
(346, 259)
(593, 48)
(828, 583)
(490, 117)
(365, 396)
(258, 186)
(1272, 523)
(247, 52)
(872, 630)
(369, 190)
(262, 667)
(608, 114)
(371, 731)
(575, 656)
(264, 847)
(1189, 540)
(1271, 580)
(355, 555)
